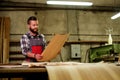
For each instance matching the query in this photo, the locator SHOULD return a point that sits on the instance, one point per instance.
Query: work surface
(63, 71)
(18, 71)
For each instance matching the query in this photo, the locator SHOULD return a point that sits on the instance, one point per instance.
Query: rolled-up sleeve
(24, 42)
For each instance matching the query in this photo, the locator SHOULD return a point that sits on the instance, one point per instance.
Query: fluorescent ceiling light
(116, 16)
(70, 3)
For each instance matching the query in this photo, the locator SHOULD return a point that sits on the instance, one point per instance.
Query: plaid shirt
(25, 42)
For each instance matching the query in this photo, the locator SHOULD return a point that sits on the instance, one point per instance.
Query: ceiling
(101, 5)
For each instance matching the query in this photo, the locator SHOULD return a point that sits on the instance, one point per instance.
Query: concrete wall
(82, 25)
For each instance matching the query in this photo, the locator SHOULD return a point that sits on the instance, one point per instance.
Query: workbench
(63, 71)
(19, 71)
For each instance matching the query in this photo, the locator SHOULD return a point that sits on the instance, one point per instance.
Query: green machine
(104, 53)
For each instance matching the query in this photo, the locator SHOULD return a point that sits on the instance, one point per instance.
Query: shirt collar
(28, 33)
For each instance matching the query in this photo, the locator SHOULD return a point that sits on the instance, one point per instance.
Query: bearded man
(32, 43)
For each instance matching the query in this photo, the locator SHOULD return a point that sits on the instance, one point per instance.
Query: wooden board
(85, 71)
(53, 48)
(6, 37)
(1, 39)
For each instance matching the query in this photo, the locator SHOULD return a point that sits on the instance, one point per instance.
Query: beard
(35, 31)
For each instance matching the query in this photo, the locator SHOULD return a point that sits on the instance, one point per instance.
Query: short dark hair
(31, 18)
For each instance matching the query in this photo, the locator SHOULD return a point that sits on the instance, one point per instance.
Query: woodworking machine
(104, 53)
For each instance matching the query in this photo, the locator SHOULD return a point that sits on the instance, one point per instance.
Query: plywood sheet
(53, 48)
(85, 71)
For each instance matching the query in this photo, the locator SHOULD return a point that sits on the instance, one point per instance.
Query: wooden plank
(6, 33)
(1, 39)
(5, 51)
(17, 79)
(6, 27)
(53, 48)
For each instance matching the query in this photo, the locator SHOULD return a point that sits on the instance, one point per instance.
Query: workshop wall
(81, 25)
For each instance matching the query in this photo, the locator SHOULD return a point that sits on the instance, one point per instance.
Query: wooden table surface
(7, 71)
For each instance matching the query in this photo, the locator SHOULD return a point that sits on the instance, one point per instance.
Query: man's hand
(38, 56)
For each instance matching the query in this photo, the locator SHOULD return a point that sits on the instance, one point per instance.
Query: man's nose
(36, 26)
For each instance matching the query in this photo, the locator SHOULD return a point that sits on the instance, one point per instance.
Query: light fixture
(70, 3)
(116, 16)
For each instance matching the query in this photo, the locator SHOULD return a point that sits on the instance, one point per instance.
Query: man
(32, 43)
